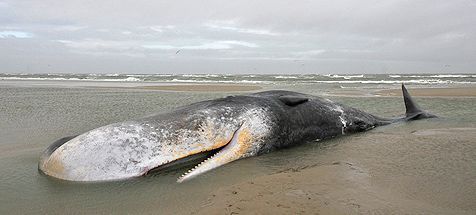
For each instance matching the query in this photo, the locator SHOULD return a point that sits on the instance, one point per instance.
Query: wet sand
(203, 87)
(433, 92)
(351, 185)
(337, 188)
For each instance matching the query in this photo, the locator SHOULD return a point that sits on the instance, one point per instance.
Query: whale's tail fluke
(413, 111)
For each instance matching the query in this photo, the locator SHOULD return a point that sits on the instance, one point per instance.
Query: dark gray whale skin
(315, 119)
(319, 118)
(234, 127)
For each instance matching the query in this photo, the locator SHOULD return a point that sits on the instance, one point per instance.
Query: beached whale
(227, 129)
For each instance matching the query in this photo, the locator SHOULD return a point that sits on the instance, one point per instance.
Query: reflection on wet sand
(368, 175)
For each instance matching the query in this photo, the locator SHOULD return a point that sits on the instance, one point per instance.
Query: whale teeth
(196, 167)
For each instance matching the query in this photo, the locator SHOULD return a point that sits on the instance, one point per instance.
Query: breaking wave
(254, 78)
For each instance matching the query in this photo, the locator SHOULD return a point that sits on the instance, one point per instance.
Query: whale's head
(134, 148)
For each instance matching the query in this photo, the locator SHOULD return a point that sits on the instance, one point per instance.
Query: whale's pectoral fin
(238, 147)
(293, 100)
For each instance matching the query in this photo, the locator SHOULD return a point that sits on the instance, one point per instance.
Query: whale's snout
(112, 152)
(45, 164)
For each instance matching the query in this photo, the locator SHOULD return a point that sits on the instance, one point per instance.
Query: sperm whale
(230, 128)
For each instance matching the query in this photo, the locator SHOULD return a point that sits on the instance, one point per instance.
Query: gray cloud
(15, 34)
(143, 36)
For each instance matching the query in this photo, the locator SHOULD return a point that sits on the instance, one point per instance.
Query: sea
(255, 78)
(431, 162)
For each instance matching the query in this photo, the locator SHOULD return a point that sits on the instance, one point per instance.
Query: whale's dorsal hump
(293, 100)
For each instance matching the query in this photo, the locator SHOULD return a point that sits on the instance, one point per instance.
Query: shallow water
(432, 161)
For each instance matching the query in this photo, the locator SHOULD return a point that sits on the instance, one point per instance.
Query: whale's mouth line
(222, 156)
(202, 157)
(196, 158)
(192, 159)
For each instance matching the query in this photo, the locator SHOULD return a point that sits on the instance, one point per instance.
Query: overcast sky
(266, 36)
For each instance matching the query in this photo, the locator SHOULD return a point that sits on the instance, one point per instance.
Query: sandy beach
(347, 186)
(421, 167)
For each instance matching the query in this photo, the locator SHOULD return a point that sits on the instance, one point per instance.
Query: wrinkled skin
(235, 126)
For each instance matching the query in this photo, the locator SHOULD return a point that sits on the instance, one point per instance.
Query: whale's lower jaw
(48, 169)
(238, 147)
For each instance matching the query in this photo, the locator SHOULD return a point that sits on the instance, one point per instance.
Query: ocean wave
(129, 79)
(416, 81)
(347, 77)
(217, 81)
(437, 76)
(253, 79)
(40, 79)
(112, 74)
(200, 75)
(285, 77)
(451, 76)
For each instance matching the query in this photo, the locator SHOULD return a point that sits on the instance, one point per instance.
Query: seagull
(178, 51)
